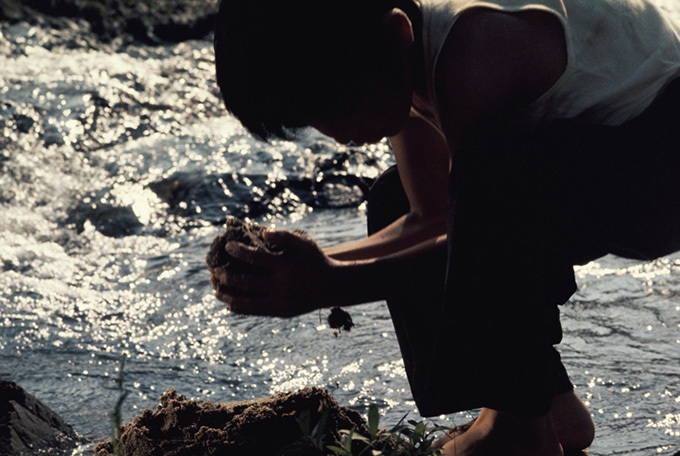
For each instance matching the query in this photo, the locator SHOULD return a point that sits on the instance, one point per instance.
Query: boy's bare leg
(571, 419)
(497, 433)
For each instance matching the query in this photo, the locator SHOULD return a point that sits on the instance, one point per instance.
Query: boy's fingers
(259, 306)
(245, 282)
(452, 434)
(239, 304)
(286, 240)
(251, 255)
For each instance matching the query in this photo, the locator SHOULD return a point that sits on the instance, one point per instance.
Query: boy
(529, 137)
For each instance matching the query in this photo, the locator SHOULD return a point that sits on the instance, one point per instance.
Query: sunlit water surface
(118, 168)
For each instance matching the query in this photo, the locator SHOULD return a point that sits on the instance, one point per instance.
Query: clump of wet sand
(250, 234)
(267, 426)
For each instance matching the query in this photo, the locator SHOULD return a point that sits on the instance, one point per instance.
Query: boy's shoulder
(493, 64)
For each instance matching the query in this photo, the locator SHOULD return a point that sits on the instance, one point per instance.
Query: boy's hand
(287, 283)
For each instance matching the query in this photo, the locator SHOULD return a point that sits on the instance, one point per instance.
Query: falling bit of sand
(269, 427)
(251, 234)
(340, 320)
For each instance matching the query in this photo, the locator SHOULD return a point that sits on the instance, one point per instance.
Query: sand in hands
(219, 261)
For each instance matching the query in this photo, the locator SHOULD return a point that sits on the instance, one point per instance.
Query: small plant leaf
(348, 442)
(361, 438)
(339, 451)
(418, 431)
(373, 420)
(317, 434)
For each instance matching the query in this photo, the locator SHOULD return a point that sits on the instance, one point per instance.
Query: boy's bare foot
(571, 419)
(497, 433)
(452, 434)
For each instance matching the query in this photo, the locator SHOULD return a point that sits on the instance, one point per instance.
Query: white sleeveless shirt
(621, 53)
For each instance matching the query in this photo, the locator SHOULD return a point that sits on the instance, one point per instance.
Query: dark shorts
(523, 209)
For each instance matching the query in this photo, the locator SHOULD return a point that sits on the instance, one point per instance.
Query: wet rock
(27, 426)
(212, 197)
(115, 221)
(106, 214)
(338, 190)
(24, 123)
(52, 135)
(268, 426)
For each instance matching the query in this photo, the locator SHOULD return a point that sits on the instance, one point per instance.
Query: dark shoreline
(146, 21)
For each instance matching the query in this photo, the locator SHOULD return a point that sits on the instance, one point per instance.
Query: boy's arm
(303, 278)
(492, 64)
(381, 266)
(423, 161)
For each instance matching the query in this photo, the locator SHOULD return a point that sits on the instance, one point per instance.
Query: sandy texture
(235, 230)
(267, 427)
(27, 426)
(219, 261)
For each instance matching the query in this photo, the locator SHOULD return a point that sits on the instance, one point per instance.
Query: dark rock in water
(269, 426)
(108, 216)
(24, 123)
(250, 195)
(115, 221)
(338, 190)
(27, 426)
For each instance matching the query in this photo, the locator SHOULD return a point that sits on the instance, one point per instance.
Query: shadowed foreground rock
(27, 426)
(268, 426)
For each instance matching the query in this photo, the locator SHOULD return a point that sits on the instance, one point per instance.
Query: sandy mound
(267, 427)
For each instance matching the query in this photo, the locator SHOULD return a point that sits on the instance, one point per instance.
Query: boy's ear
(398, 27)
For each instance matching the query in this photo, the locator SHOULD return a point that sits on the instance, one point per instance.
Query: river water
(119, 166)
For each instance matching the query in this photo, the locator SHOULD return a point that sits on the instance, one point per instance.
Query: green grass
(406, 438)
(115, 414)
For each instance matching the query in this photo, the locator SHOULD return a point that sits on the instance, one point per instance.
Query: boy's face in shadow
(383, 103)
(380, 111)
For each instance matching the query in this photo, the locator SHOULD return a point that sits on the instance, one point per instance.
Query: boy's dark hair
(282, 64)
